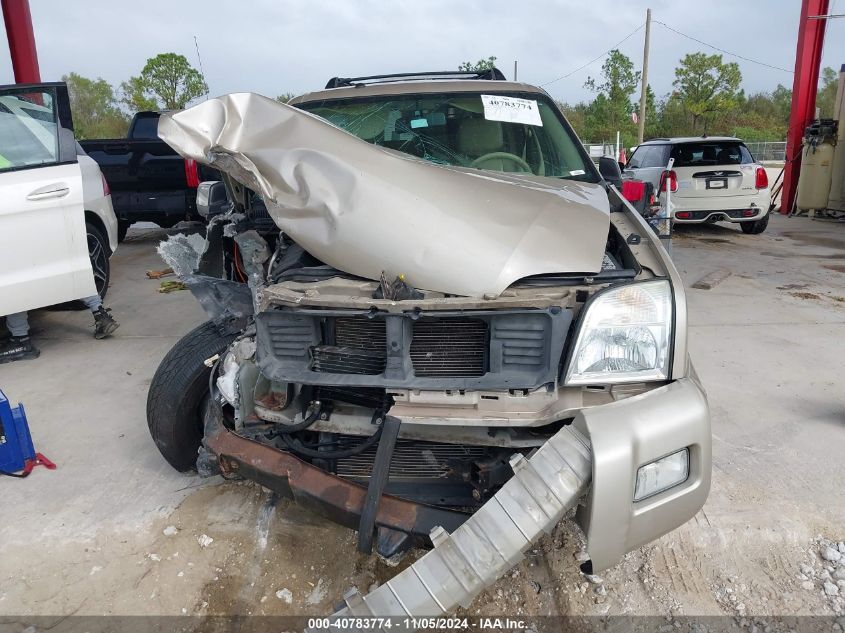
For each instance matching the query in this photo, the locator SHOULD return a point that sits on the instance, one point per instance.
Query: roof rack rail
(492, 74)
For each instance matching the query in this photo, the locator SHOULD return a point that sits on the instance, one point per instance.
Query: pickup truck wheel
(178, 392)
(122, 228)
(756, 227)
(99, 253)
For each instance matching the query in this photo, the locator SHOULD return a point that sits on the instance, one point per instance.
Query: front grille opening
(361, 333)
(450, 347)
(354, 346)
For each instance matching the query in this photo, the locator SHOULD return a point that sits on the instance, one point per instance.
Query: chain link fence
(768, 150)
(597, 150)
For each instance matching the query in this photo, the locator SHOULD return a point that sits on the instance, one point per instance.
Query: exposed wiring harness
(284, 431)
(298, 447)
(308, 420)
(314, 450)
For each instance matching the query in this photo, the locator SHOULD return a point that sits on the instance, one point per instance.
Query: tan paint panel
(365, 209)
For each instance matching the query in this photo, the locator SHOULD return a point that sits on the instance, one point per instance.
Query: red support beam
(21, 41)
(808, 58)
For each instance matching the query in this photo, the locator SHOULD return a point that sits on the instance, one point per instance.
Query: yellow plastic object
(837, 185)
(816, 174)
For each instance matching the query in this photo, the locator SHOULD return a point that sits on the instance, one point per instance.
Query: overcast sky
(277, 46)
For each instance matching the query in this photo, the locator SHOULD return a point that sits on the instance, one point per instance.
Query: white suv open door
(43, 245)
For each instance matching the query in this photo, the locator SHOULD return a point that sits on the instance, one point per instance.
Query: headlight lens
(662, 474)
(625, 336)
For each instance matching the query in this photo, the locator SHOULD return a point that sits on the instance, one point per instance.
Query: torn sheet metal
(182, 252)
(229, 304)
(366, 210)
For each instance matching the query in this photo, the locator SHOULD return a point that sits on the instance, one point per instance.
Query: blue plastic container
(15, 440)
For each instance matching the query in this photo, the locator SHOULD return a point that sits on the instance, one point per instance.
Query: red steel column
(21, 41)
(808, 57)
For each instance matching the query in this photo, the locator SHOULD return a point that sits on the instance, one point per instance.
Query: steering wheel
(519, 162)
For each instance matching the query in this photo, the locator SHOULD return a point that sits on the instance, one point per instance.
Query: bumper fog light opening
(662, 474)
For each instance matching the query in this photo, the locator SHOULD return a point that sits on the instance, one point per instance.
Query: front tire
(178, 392)
(756, 227)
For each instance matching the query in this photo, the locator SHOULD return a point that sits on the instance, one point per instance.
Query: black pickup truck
(149, 181)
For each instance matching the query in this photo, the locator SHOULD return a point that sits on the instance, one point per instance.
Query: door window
(648, 156)
(33, 132)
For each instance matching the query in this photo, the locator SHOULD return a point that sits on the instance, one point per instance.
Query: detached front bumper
(395, 523)
(626, 435)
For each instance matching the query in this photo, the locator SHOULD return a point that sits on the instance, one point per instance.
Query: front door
(43, 245)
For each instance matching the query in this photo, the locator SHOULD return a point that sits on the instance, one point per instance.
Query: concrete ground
(115, 531)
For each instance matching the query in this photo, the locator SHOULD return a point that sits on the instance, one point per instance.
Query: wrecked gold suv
(454, 332)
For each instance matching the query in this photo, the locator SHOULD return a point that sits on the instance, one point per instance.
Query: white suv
(57, 225)
(713, 179)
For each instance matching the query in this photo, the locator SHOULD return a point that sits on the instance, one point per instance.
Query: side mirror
(212, 199)
(609, 170)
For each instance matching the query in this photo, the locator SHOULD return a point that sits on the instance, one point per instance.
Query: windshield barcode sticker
(511, 110)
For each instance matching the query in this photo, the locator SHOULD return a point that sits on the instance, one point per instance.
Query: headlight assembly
(625, 336)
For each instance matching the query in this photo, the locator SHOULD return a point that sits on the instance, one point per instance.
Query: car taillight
(191, 174)
(683, 215)
(106, 190)
(670, 179)
(762, 180)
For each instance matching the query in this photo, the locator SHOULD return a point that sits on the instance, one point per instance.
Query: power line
(593, 61)
(722, 50)
(202, 72)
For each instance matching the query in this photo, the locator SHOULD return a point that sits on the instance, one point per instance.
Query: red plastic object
(39, 460)
(633, 190)
(762, 178)
(191, 174)
(683, 215)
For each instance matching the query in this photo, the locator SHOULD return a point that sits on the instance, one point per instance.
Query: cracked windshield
(466, 131)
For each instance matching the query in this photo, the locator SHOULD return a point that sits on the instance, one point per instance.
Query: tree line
(166, 82)
(707, 98)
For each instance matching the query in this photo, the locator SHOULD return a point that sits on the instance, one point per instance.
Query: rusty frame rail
(401, 523)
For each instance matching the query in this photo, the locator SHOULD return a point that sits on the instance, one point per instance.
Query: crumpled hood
(364, 209)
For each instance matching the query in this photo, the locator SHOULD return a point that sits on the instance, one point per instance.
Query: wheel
(122, 228)
(755, 227)
(178, 392)
(99, 253)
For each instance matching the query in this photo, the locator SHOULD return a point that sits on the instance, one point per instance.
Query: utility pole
(514, 69)
(644, 89)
